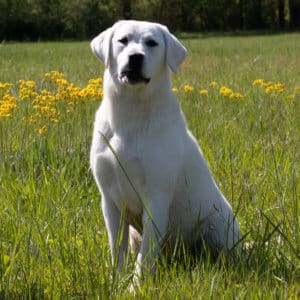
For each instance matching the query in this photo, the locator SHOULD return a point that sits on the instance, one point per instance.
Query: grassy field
(241, 98)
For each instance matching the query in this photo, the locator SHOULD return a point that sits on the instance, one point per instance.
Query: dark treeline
(81, 19)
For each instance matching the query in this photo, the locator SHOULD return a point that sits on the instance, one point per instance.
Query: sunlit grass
(241, 98)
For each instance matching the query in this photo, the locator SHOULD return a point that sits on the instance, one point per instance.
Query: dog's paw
(135, 285)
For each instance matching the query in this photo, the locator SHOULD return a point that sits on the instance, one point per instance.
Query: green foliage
(39, 19)
(80, 19)
(53, 241)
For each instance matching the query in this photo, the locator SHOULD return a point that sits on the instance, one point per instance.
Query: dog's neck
(131, 107)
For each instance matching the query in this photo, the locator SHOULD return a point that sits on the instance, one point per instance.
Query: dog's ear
(101, 45)
(175, 51)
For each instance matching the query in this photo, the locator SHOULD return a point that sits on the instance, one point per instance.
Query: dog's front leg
(118, 231)
(155, 222)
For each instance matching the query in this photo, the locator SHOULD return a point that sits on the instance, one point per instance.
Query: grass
(53, 242)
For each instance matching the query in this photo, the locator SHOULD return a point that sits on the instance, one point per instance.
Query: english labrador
(155, 184)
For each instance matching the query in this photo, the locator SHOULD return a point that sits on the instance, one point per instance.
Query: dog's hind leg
(135, 239)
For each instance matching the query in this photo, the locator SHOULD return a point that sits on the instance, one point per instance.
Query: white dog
(150, 171)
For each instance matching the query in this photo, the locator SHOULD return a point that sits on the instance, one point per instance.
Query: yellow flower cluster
(273, 88)
(45, 108)
(45, 104)
(188, 88)
(7, 105)
(213, 83)
(7, 101)
(203, 91)
(4, 86)
(227, 92)
(68, 91)
(55, 95)
(269, 86)
(27, 89)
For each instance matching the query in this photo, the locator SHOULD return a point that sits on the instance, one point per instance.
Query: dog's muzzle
(133, 73)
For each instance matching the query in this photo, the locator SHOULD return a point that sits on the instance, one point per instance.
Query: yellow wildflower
(268, 89)
(236, 96)
(274, 87)
(188, 88)
(42, 130)
(258, 82)
(32, 120)
(279, 87)
(27, 89)
(267, 84)
(203, 91)
(5, 85)
(95, 81)
(61, 81)
(30, 84)
(225, 91)
(7, 105)
(53, 75)
(213, 83)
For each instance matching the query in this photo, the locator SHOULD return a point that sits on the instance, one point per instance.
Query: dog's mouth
(133, 77)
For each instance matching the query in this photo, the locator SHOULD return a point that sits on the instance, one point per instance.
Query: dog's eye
(151, 43)
(123, 41)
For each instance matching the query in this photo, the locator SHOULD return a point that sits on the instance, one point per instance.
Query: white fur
(150, 171)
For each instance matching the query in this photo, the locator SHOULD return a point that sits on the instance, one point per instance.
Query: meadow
(241, 99)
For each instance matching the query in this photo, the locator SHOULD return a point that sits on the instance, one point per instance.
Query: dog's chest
(123, 173)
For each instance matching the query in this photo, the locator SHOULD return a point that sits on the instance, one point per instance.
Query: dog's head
(136, 51)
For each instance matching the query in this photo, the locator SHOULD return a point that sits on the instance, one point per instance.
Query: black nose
(136, 61)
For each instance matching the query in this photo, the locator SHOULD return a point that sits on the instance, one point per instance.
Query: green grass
(53, 241)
